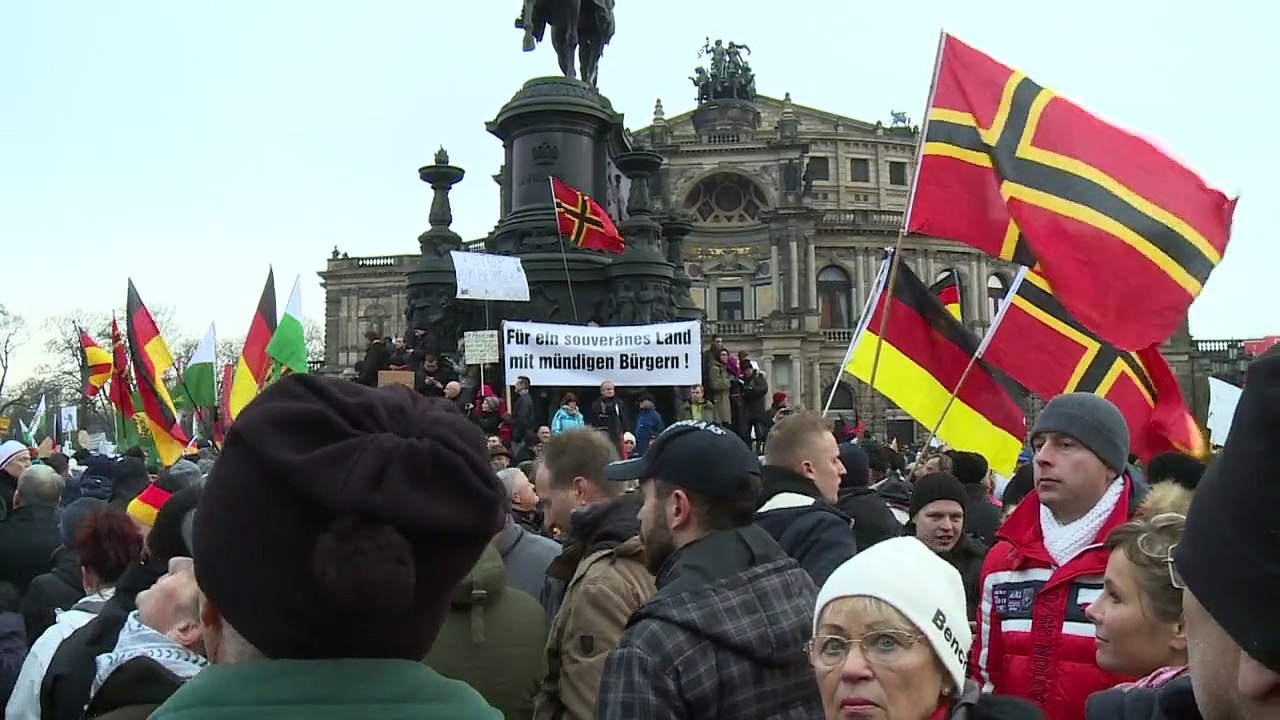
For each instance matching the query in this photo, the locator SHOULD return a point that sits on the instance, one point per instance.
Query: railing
(474, 245)
(843, 337)
(750, 327)
(315, 366)
(1230, 348)
(380, 261)
(861, 218)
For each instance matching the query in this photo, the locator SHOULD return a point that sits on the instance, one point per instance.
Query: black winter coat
(27, 542)
(872, 519)
(55, 590)
(1174, 701)
(981, 518)
(376, 358)
(809, 529)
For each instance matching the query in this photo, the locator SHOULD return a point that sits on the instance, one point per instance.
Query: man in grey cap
(1033, 639)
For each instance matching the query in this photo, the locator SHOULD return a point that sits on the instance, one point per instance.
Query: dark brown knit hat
(339, 518)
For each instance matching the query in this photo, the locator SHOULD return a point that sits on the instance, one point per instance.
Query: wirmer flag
(97, 364)
(1050, 353)
(288, 346)
(1126, 235)
(923, 353)
(151, 360)
(253, 363)
(582, 221)
(120, 392)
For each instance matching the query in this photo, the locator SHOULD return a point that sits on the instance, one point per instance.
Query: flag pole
(868, 308)
(982, 348)
(906, 216)
(564, 255)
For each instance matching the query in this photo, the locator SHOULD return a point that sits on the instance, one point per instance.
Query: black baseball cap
(694, 455)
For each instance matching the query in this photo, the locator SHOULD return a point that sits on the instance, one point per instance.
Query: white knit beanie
(9, 449)
(926, 589)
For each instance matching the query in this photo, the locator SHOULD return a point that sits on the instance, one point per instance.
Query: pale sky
(190, 144)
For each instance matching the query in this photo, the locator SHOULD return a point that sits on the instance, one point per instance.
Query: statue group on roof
(729, 77)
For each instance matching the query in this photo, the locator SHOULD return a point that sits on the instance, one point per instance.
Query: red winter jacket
(1033, 640)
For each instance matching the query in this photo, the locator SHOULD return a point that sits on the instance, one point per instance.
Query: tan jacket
(608, 586)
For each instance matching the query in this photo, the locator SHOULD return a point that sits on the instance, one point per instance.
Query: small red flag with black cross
(582, 221)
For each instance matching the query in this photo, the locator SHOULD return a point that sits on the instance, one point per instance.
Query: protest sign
(1223, 398)
(481, 276)
(578, 355)
(480, 347)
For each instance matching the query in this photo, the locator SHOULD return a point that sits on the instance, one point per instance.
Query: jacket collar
(779, 480)
(1022, 529)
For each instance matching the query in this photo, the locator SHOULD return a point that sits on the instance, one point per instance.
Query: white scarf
(139, 640)
(1064, 542)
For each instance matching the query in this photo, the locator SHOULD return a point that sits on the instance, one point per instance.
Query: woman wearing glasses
(891, 640)
(1138, 615)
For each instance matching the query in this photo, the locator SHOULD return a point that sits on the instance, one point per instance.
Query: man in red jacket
(1033, 639)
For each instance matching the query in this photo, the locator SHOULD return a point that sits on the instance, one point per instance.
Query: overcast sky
(190, 144)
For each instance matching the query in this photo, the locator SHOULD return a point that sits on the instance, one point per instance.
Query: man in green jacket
(332, 532)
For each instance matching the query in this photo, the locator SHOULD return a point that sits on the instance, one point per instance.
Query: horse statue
(900, 119)
(583, 27)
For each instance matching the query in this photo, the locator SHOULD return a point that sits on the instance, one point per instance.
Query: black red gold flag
(948, 292)
(253, 365)
(96, 362)
(151, 360)
(924, 353)
(1125, 234)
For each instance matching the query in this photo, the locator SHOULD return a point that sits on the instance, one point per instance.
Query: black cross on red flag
(582, 221)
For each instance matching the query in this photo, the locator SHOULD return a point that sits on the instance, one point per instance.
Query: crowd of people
(355, 551)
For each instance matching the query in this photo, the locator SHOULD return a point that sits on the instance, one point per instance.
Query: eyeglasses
(1175, 577)
(882, 648)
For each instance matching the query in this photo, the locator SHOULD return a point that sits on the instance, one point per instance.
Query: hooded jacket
(1033, 639)
(56, 590)
(493, 639)
(606, 580)
(723, 637)
(809, 529)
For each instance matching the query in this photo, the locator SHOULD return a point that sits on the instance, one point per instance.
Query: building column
(975, 300)
(811, 273)
(793, 256)
(775, 275)
(815, 368)
(980, 290)
(861, 287)
(797, 378)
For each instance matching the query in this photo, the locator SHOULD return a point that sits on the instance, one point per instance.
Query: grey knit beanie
(1093, 421)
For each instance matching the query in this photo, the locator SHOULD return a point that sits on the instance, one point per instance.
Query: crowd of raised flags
(148, 392)
(1115, 239)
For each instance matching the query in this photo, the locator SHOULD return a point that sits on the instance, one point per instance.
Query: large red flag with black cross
(582, 221)
(1126, 235)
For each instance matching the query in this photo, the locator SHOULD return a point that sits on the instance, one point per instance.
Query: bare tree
(13, 332)
(313, 335)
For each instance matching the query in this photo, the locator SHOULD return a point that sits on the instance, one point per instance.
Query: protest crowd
(422, 538)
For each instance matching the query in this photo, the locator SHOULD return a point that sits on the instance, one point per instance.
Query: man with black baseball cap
(724, 634)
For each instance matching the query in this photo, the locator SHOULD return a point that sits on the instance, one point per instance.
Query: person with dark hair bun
(107, 543)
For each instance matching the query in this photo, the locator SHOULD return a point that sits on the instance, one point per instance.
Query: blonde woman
(1138, 616)
(891, 639)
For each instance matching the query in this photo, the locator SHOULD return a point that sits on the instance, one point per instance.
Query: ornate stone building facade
(791, 209)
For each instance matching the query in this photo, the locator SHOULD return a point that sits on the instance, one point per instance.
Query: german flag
(151, 360)
(923, 354)
(947, 290)
(582, 221)
(1049, 352)
(1124, 233)
(254, 363)
(97, 363)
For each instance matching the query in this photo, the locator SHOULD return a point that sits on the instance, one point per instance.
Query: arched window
(842, 399)
(725, 199)
(376, 317)
(997, 288)
(950, 292)
(835, 294)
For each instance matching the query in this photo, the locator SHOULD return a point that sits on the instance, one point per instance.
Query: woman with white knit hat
(891, 640)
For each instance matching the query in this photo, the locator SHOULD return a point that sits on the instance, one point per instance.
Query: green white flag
(197, 387)
(25, 433)
(288, 348)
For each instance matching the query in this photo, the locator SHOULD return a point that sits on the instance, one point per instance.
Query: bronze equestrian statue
(584, 26)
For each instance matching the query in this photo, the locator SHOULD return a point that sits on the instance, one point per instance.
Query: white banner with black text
(579, 355)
